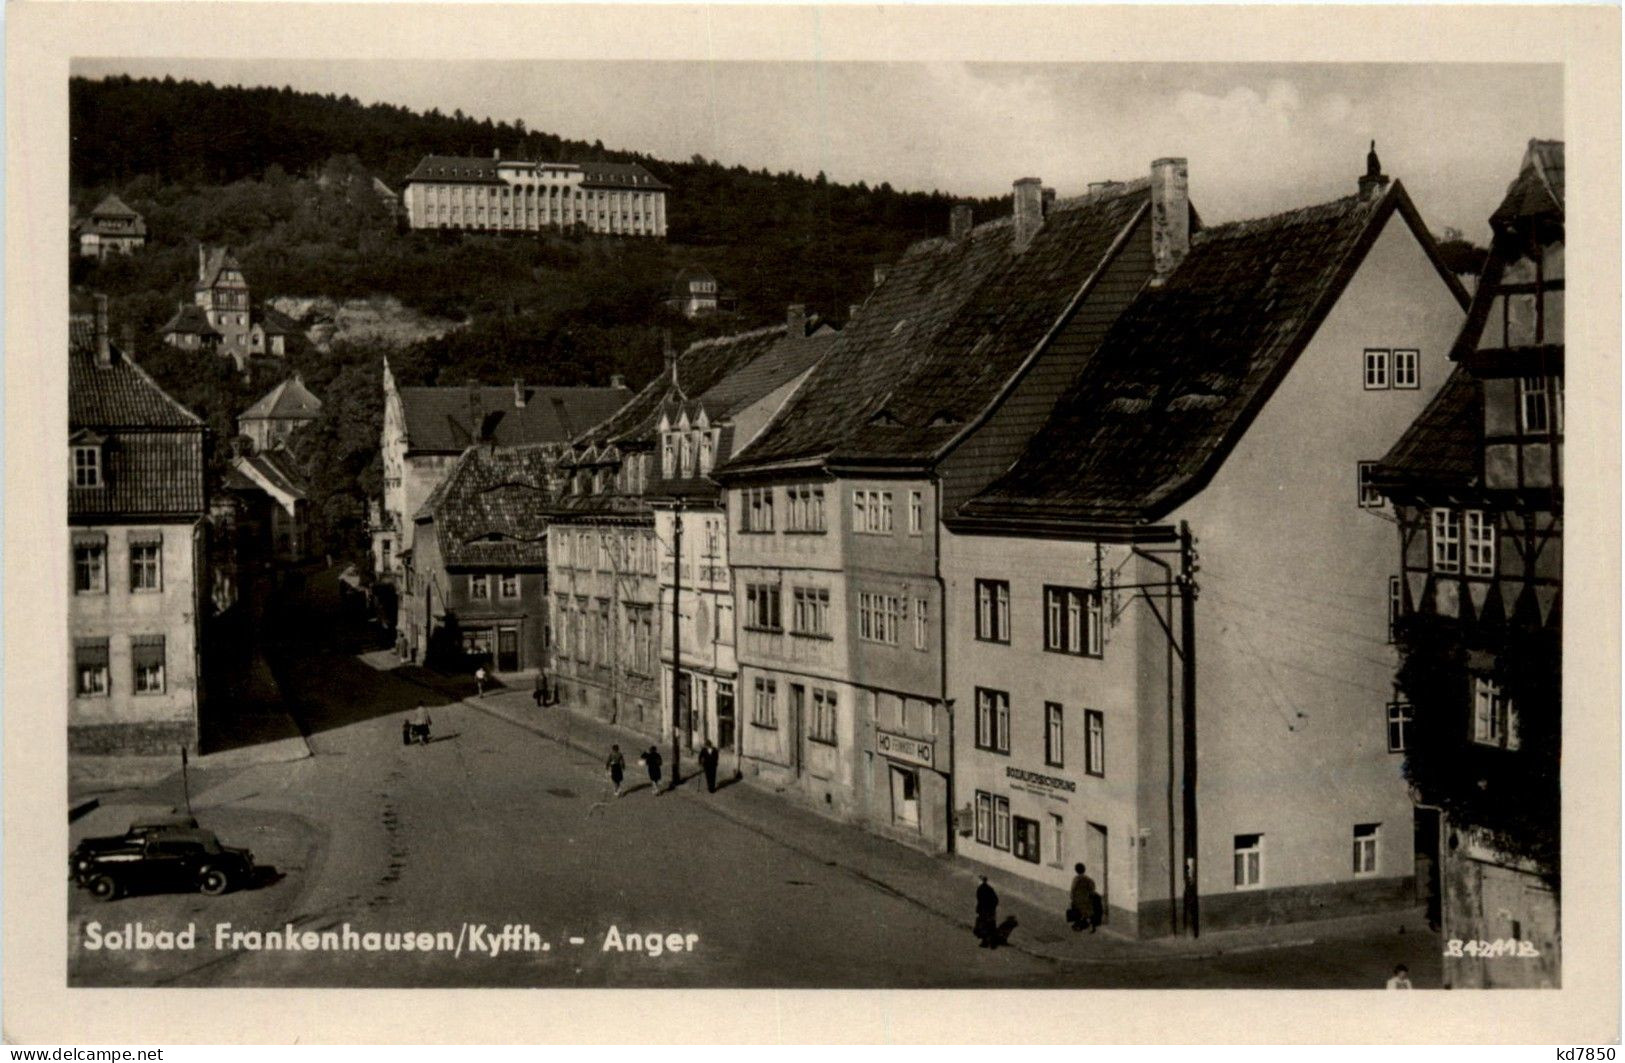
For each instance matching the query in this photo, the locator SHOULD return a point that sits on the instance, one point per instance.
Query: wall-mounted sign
(908, 750)
(1048, 782)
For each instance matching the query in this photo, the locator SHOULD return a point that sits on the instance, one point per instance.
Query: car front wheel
(104, 887)
(213, 881)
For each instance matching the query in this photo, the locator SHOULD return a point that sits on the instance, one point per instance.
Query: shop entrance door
(725, 714)
(508, 649)
(697, 712)
(905, 797)
(1097, 849)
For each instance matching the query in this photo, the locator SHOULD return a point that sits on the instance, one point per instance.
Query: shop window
(1027, 845)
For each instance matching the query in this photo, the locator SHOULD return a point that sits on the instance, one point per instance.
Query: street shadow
(443, 738)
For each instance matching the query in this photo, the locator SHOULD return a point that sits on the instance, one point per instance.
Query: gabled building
(1167, 649)
(272, 518)
(112, 228)
(695, 434)
(603, 554)
(189, 329)
(519, 196)
(285, 408)
(1477, 489)
(693, 292)
(426, 429)
(221, 292)
(136, 512)
(930, 391)
(474, 589)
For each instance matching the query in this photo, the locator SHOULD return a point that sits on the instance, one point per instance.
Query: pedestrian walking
(617, 768)
(987, 915)
(479, 680)
(419, 724)
(708, 764)
(540, 693)
(1086, 903)
(1401, 978)
(651, 761)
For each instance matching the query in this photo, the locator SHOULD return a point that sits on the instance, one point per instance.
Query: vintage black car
(159, 856)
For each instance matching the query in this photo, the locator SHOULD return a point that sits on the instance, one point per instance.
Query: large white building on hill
(513, 195)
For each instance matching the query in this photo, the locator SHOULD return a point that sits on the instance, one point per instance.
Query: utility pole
(676, 636)
(1187, 639)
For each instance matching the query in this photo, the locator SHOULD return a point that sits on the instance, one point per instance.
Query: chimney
(518, 394)
(852, 311)
(496, 154)
(1374, 181)
(104, 349)
(476, 412)
(1029, 213)
(616, 380)
(202, 262)
(1049, 201)
(880, 274)
(126, 336)
(795, 321)
(1170, 217)
(961, 219)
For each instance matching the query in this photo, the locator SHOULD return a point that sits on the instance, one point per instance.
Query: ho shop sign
(1043, 785)
(907, 750)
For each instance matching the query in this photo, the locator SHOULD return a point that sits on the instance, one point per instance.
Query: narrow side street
(506, 818)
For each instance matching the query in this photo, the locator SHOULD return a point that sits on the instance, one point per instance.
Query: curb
(83, 808)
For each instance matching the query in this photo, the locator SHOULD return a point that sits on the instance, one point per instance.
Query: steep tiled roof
(475, 170)
(120, 219)
(441, 420)
(113, 207)
(275, 469)
(151, 445)
(699, 368)
(1442, 446)
(619, 175)
(687, 276)
(218, 260)
(491, 508)
(778, 365)
(1182, 372)
(275, 322)
(942, 334)
(288, 399)
(1538, 188)
(189, 318)
(456, 168)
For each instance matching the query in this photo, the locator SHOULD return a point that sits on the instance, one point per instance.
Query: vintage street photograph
(820, 525)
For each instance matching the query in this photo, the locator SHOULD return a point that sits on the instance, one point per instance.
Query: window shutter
(147, 651)
(90, 651)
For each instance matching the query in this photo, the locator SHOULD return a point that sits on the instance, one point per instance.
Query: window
(725, 622)
(508, 586)
(757, 513)
(561, 609)
(762, 607)
(1480, 543)
(1365, 848)
(922, 623)
(806, 508)
(992, 720)
(479, 587)
(90, 567)
(823, 717)
(916, 513)
(765, 707)
(90, 668)
(871, 512)
(993, 610)
(1026, 840)
(1396, 605)
(1399, 725)
(1249, 861)
(1001, 823)
(686, 447)
(1376, 369)
(984, 817)
(147, 663)
(880, 618)
(1495, 718)
(1407, 369)
(1532, 404)
(668, 456)
(1072, 621)
(1446, 541)
(706, 452)
(146, 565)
(1094, 746)
(1054, 736)
(809, 611)
(1370, 497)
(87, 466)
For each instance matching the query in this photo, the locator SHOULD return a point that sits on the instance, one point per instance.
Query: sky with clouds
(1259, 137)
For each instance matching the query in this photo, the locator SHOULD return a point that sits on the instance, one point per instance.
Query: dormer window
(688, 455)
(87, 465)
(668, 456)
(707, 452)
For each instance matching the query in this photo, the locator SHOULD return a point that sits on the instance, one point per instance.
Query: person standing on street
(708, 764)
(479, 680)
(1085, 901)
(987, 915)
(617, 768)
(651, 761)
(1401, 978)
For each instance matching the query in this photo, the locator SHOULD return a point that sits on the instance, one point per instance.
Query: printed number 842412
(1523, 950)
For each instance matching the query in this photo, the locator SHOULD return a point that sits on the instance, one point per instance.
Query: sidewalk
(941, 884)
